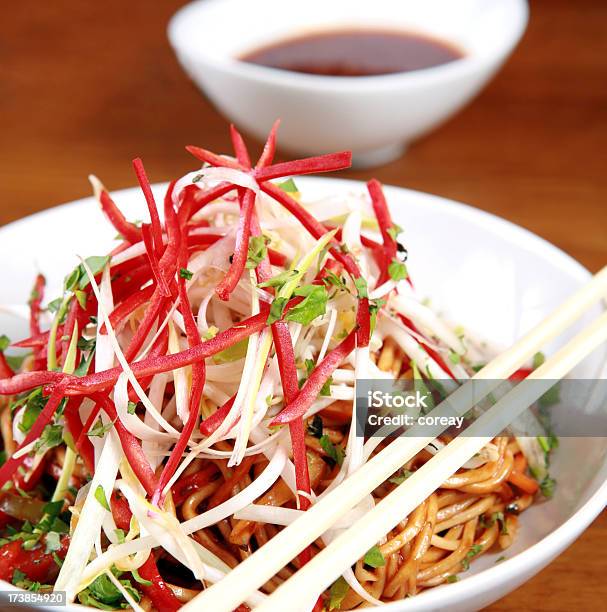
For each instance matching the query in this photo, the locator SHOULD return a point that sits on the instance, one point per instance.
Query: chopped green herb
(52, 435)
(52, 542)
(4, 343)
(400, 477)
(100, 497)
(185, 273)
(454, 358)
(78, 278)
(232, 353)
(99, 429)
(339, 589)
(538, 360)
(330, 278)
(277, 307)
(325, 390)
(547, 487)
(131, 407)
(257, 251)
(374, 558)
(280, 279)
(361, 288)
(120, 535)
(474, 550)
(314, 304)
(394, 231)
(397, 270)
(500, 559)
(141, 580)
(452, 578)
(289, 186)
(374, 307)
(54, 305)
(336, 453)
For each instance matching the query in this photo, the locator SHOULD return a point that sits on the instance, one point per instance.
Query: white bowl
(483, 272)
(375, 117)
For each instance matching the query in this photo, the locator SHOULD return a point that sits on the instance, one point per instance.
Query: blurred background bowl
(375, 117)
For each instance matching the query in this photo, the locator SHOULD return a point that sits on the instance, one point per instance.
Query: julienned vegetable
(147, 424)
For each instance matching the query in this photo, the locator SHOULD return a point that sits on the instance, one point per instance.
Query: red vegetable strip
(130, 445)
(75, 429)
(309, 165)
(316, 229)
(241, 248)
(148, 241)
(127, 230)
(184, 486)
(128, 307)
(312, 387)
(151, 202)
(213, 159)
(146, 367)
(240, 148)
(5, 370)
(276, 258)
(143, 330)
(380, 207)
(202, 198)
(35, 304)
(11, 465)
(198, 376)
(212, 422)
(286, 361)
(159, 591)
(269, 149)
(36, 564)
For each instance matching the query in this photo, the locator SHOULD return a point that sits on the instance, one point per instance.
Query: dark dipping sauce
(354, 53)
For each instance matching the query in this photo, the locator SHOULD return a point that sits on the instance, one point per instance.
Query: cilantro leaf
(101, 498)
(374, 558)
(339, 589)
(4, 343)
(185, 273)
(289, 186)
(52, 435)
(397, 270)
(257, 251)
(314, 304)
(336, 453)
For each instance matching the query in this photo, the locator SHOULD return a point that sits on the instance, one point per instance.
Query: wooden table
(85, 87)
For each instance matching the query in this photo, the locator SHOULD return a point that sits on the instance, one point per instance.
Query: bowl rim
(523, 564)
(450, 71)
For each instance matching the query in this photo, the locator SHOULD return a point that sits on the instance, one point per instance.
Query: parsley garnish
(185, 273)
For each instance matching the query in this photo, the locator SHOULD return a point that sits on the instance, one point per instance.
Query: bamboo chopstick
(353, 543)
(254, 571)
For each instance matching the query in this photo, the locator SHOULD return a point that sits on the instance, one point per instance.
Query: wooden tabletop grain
(85, 87)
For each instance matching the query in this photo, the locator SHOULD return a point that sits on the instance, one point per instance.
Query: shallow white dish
(375, 117)
(485, 273)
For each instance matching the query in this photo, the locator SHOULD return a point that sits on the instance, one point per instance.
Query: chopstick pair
(352, 544)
